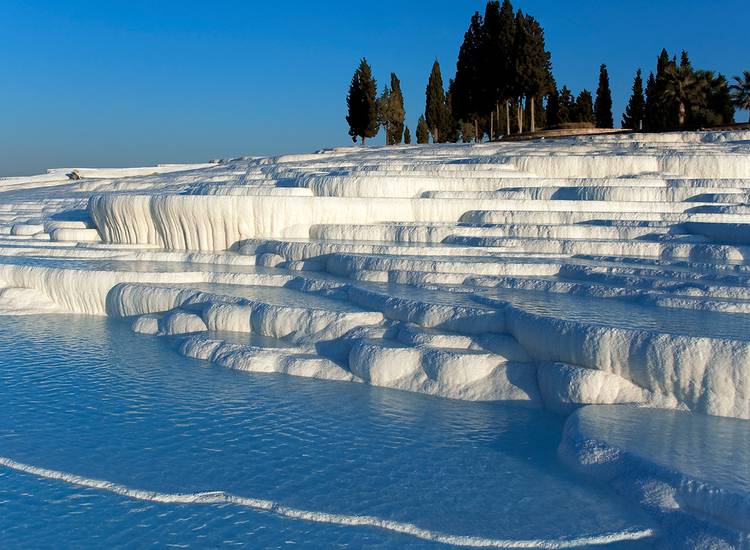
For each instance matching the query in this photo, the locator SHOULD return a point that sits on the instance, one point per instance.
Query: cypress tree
(685, 60)
(452, 126)
(720, 100)
(362, 104)
(635, 110)
(506, 41)
(584, 107)
(566, 105)
(407, 136)
(553, 108)
(391, 112)
(384, 115)
(490, 60)
(651, 108)
(603, 105)
(464, 95)
(423, 132)
(531, 64)
(399, 114)
(665, 115)
(536, 76)
(520, 52)
(436, 114)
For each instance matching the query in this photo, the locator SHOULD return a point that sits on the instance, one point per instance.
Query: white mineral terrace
(597, 270)
(603, 278)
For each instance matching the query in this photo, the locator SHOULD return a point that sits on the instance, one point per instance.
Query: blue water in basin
(708, 448)
(85, 396)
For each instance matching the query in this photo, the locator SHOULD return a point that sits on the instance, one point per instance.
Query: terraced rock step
(561, 273)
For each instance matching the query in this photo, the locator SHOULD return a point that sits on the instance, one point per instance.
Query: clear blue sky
(105, 83)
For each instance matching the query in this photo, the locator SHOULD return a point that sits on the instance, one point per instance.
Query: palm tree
(741, 91)
(685, 89)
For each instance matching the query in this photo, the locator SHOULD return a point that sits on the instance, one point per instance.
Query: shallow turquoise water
(712, 449)
(86, 396)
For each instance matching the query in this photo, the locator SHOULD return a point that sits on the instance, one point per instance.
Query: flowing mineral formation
(604, 270)
(597, 270)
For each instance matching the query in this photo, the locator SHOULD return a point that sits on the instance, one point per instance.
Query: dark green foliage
(491, 82)
(603, 104)
(553, 108)
(567, 107)
(685, 61)
(502, 58)
(664, 115)
(531, 60)
(362, 104)
(652, 105)
(407, 136)
(465, 94)
(436, 111)
(505, 42)
(423, 131)
(496, 62)
(716, 108)
(681, 97)
(635, 110)
(720, 100)
(683, 90)
(452, 126)
(740, 91)
(584, 107)
(397, 128)
(391, 112)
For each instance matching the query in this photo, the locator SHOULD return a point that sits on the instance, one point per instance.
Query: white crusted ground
(560, 273)
(556, 273)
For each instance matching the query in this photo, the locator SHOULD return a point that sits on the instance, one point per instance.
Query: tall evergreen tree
(391, 112)
(397, 123)
(362, 104)
(464, 97)
(384, 115)
(436, 113)
(490, 83)
(531, 61)
(423, 131)
(497, 63)
(407, 135)
(651, 109)
(720, 99)
(603, 104)
(553, 108)
(452, 126)
(685, 60)
(665, 115)
(567, 106)
(506, 43)
(539, 77)
(635, 110)
(584, 108)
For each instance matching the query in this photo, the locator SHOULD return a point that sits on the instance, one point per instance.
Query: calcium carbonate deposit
(592, 271)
